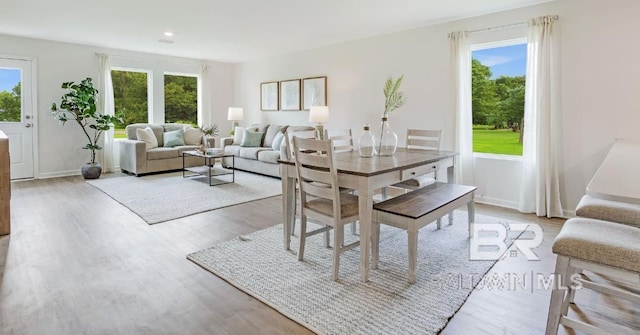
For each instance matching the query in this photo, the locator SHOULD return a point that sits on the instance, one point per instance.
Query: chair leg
(557, 296)
(413, 254)
(303, 236)
(338, 239)
(439, 223)
(327, 239)
(450, 218)
(375, 244)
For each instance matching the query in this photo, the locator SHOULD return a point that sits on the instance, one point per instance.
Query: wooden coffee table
(209, 168)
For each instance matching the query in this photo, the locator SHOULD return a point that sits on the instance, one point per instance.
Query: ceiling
(231, 30)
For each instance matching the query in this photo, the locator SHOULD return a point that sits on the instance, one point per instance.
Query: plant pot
(91, 170)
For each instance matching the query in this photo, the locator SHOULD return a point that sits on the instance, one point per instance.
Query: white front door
(16, 114)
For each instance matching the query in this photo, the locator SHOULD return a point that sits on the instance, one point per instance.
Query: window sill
(501, 157)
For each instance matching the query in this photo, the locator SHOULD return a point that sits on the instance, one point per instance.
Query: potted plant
(79, 104)
(210, 131)
(393, 99)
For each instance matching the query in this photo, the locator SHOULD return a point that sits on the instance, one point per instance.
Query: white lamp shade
(319, 114)
(235, 114)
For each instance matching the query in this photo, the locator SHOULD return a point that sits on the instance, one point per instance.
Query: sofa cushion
(162, 153)
(251, 138)
(174, 126)
(258, 127)
(252, 152)
(232, 150)
(184, 148)
(193, 136)
(271, 133)
(299, 128)
(147, 136)
(269, 156)
(173, 138)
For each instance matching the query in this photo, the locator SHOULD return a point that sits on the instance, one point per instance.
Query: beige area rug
(303, 291)
(163, 197)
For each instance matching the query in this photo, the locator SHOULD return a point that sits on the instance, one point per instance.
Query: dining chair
(288, 139)
(342, 141)
(320, 196)
(422, 139)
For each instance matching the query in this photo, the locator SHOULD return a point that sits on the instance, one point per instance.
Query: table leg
(365, 206)
(288, 207)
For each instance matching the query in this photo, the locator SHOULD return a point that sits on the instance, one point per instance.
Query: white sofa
(136, 159)
(262, 159)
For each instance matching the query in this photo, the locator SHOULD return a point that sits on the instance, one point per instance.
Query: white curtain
(106, 106)
(540, 190)
(204, 114)
(461, 60)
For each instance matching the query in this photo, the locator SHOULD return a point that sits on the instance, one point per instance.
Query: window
(10, 97)
(181, 99)
(130, 92)
(498, 88)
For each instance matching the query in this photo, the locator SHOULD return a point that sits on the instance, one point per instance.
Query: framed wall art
(314, 92)
(269, 96)
(290, 95)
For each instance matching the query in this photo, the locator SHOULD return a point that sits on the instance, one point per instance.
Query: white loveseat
(136, 159)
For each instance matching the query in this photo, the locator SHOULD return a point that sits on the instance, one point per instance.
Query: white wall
(60, 148)
(599, 84)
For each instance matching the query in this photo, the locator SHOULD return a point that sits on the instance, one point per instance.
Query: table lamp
(234, 115)
(319, 115)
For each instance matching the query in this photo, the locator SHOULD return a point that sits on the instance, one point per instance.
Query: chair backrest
(341, 138)
(423, 139)
(290, 135)
(317, 175)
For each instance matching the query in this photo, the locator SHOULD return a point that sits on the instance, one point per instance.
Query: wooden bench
(414, 210)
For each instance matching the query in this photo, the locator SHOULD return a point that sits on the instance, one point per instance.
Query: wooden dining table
(365, 175)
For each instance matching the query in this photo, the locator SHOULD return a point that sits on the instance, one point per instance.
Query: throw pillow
(277, 141)
(271, 133)
(251, 139)
(147, 136)
(237, 135)
(173, 138)
(192, 136)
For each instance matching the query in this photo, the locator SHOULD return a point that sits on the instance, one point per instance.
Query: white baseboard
(45, 175)
(496, 202)
(567, 214)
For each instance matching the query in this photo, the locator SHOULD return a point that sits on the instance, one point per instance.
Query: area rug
(162, 197)
(303, 291)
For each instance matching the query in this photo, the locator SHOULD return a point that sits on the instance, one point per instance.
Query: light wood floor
(77, 262)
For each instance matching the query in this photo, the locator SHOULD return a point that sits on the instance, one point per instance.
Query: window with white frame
(131, 97)
(181, 98)
(498, 87)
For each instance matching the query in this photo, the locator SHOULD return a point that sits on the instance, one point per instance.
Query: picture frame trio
(293, 94)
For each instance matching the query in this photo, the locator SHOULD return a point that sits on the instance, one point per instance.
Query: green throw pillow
(173, 138)
(251, 139)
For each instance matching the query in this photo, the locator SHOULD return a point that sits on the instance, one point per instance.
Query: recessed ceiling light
(168, 33)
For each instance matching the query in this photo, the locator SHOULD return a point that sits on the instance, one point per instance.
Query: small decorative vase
(388, 139)
(91, 170)
(366, 143)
